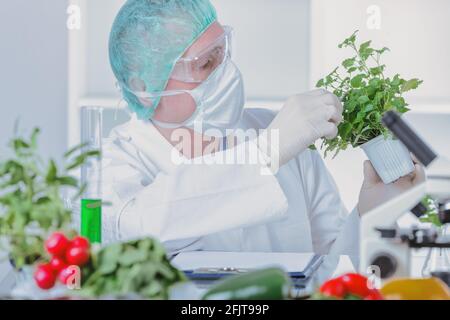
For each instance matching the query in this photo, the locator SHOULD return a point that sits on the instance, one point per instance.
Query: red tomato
(44, 276)
(57, 263)
(333, 288)
(57, 244)
(77, 256)
(374, 295)
(65, 274)
(355, 284)
(80, 241)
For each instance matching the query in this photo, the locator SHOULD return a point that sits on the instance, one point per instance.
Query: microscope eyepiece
(402, 131)
(419, 210)
(444, 213)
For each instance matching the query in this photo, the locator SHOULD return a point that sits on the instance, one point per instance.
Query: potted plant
(367, 93)
(31, 203)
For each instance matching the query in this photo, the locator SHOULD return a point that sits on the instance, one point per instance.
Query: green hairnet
(147, 39)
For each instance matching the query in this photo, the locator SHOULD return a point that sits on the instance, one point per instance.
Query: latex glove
(374, 192)
(303, 119)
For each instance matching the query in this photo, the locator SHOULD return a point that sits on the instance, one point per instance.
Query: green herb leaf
(356, 81)
(51, 172)
(348, 63)
(410, 85)
(363, 99)
(75, 149)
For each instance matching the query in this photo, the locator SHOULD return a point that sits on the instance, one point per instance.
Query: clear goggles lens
(197, 69)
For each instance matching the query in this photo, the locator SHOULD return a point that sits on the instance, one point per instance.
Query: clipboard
(221, 267)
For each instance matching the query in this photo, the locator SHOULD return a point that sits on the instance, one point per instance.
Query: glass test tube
(91, 174)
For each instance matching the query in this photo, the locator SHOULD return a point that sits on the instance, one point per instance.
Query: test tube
(91, 174)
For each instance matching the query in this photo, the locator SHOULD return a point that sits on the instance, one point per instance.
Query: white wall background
(416, 31)
(33, 63)
(272, 38)
(33, 81)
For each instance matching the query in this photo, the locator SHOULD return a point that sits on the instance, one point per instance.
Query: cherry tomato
(57, 244)
(355, 284)
(44, 276)
(374, 295)
(77, 256)
(333, 288)
(80, 241)
(65, 274)
(57, 263)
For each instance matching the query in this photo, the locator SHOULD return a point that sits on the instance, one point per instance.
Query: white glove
(374, 192)
(303, 119)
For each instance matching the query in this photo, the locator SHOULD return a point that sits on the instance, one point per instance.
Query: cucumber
(264, 284)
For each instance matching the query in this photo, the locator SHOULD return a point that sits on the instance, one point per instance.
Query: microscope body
(386, 249)
(382, 251)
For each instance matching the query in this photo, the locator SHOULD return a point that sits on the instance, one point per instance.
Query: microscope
(385, 248)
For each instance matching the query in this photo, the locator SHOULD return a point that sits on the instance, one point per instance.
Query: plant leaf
(51, 172)
(356, 81)
(411, 84)
(68, 181)
(75, 149)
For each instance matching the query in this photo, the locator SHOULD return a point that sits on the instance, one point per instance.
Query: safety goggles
(196, 69)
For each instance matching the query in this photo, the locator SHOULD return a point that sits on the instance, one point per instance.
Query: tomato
(77, 256)
(355, 284)
(57, 244)
(80, 241)
(44, 276)
(333, 288)
(65, 274)
(57, 263)
(374, 295)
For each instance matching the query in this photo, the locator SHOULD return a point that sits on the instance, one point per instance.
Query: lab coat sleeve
(334, 230)
(200, 199)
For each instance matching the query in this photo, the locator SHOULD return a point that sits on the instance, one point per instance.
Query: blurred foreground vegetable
(266, 284)
(416, 289)
(350, 286)
(136, 267)
(65, 255)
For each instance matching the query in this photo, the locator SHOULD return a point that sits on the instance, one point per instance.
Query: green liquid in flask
(91, 219)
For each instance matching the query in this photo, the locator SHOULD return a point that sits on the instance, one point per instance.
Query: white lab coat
(221, 207)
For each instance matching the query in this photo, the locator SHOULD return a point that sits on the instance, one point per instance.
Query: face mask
(220, 102)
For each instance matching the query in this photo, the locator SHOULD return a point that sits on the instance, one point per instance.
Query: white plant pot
(390, 158)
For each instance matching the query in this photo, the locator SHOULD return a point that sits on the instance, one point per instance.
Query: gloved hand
(303, 119)
(374, 192)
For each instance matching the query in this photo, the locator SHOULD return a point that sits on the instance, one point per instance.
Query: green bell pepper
(265, 284)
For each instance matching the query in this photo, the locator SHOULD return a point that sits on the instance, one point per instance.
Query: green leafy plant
(366, 93)
(31, 204)
(136, 267)
(432, 214)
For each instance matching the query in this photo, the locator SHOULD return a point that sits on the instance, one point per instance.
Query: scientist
(172, 62)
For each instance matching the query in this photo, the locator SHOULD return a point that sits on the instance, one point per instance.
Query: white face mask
(220, 101)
